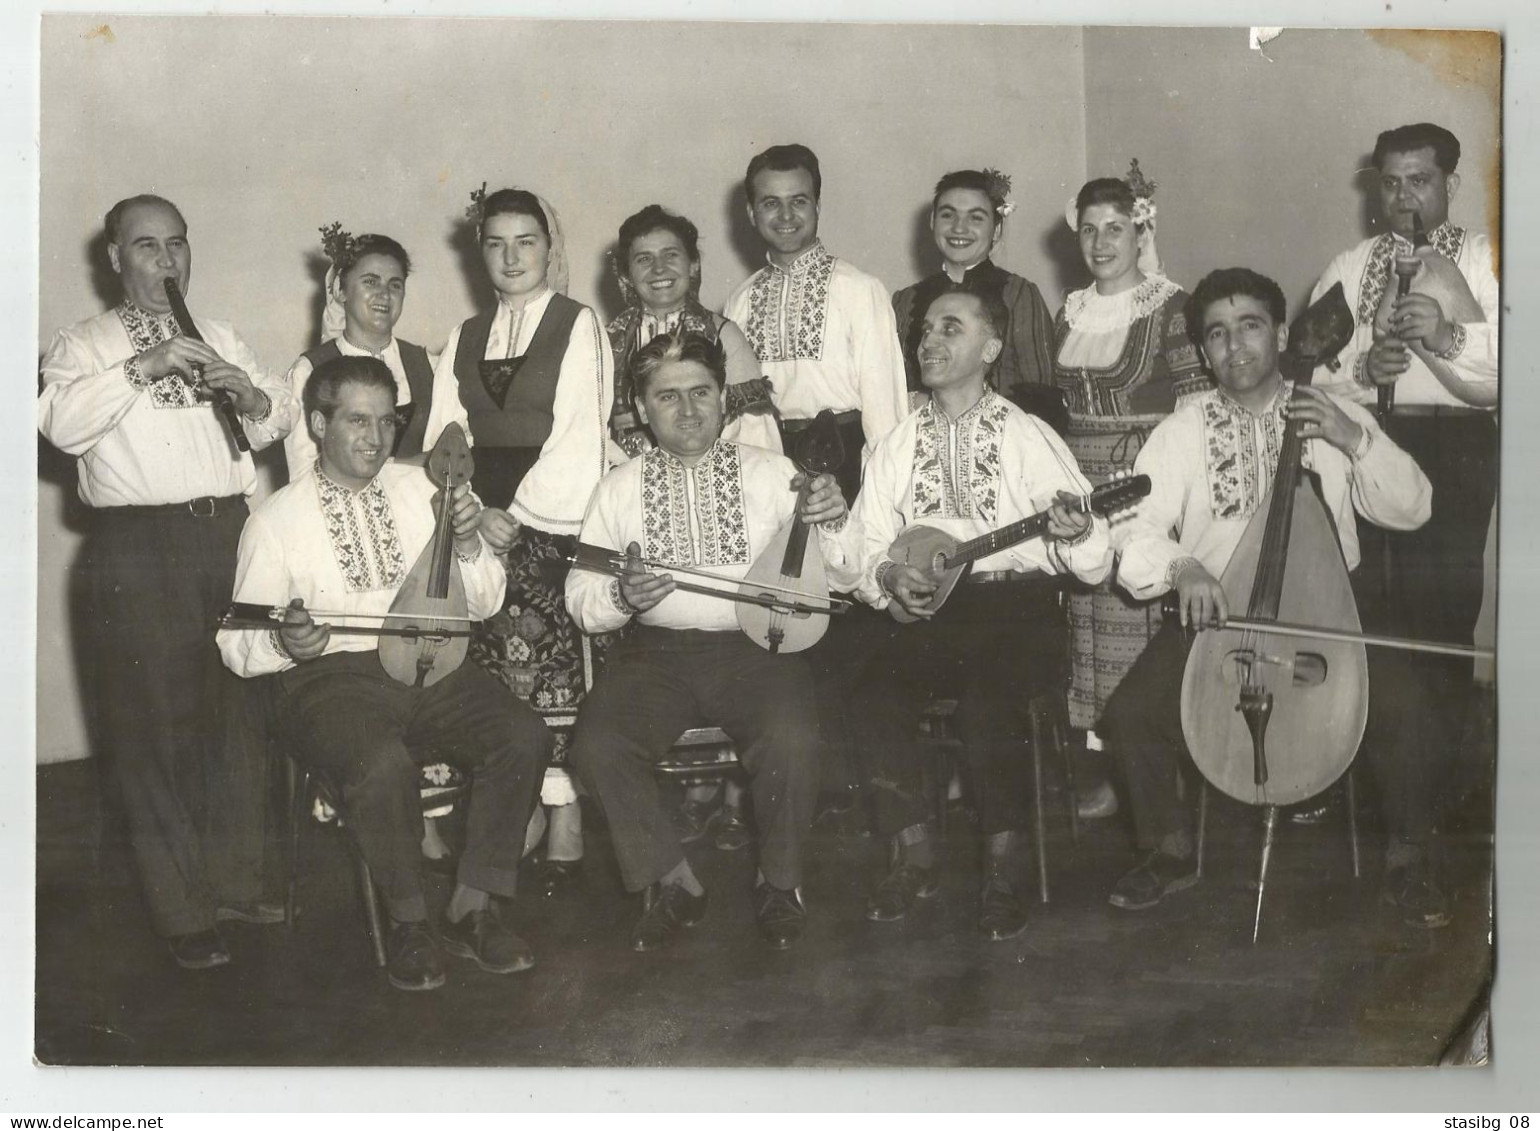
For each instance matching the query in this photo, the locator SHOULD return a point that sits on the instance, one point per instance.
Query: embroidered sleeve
(750, 397)
(260, 417)
(471, 558)
(135, 375)
(1174, 570)
(834, 526)
(1456, 343)
(618, 598)
(882, 572)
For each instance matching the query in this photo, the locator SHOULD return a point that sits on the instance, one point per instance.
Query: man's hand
(1201, 601)
(912, 588)
(1419, 318)
(825, 502)
(177, 355)
(249, 400)
(499, 528)
(1386, 360)
(302, 638)
(1320, 417)
(640, 589)
(464, 517)
(1066, 524)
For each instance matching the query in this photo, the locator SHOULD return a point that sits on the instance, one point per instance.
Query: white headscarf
(333, 319)
(556, 266)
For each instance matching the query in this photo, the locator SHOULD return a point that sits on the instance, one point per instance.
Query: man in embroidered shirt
(823, 331)
(967, 462)
(343, 540)
(1210, 465)
(128, 395)
(698, 501)
(1438, 352)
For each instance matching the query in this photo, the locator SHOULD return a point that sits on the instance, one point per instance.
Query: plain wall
(263, 129)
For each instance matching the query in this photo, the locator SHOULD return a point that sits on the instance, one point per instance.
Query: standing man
(967, 462)
(343, 539)
(823, 331)
(701, 502)
(130, 396)
(1436, 349)
(1211, 464)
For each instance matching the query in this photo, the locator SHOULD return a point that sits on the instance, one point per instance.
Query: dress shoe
(899, 889)
(560, 877)
(1159, 876)
(1097, 802)
(692, 820)
(780, 914)
(482, 937)
(665, 909)
(1411, 888)
(201, 950)
(1002, 913)
(257, 911)
(414, 959)
(1311, 814)
(732, 831)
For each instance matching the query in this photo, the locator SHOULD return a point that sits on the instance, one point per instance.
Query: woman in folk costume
(365, 295)
(967, 221)
(1123, 359)
(657, 263)
(532, 382)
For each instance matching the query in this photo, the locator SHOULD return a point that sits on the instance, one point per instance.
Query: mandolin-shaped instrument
(946, 561)
(791, 562)
(428, 616)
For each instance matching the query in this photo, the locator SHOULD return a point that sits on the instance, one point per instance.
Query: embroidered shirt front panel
(789, 309)
(956, 471)
(1239, 467)
(1447, 239)
(146, 330)
(362, 530)
(694, 515)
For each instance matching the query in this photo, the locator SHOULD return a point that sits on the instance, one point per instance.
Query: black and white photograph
(667, 543)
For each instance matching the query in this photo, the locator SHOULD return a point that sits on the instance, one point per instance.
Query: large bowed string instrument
(783, 601)
(425, 635)
(1274, 703)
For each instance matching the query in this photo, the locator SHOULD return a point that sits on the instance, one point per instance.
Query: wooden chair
(1046, 716)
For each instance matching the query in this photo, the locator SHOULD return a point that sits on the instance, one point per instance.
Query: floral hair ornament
(474, 210)
(1144, 191)
(999, 188)
(336, 243)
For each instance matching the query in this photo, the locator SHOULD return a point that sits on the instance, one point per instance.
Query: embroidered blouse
(825, 335)
(992, 466)
(1211, 464)
(1126, 354)
(143, 442)
(718, 515)
(574, 456)
(341, 550)
(1367, 270)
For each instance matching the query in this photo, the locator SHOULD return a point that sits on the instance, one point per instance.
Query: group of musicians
(659, 446)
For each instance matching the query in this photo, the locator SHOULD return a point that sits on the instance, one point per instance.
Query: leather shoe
(732, 831)
(899, 889)
(1002, 913)
(483, 938)
(665, 909)
(1098, 802)
(257, 911)
(780, 914)
(414, 960)
(1159, 876)
(560, 877)
(201, 950)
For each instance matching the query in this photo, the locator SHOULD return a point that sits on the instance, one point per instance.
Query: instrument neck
(997, 540)
(443, 549)
(1268, 588)
(796, 541)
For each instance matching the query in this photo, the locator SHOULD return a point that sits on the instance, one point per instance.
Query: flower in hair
(1143, 210)
(337, 244)
(473, 213)
(1000, 189)
(1136, 182)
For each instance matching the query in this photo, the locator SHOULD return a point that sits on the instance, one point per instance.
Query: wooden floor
(1335, 979)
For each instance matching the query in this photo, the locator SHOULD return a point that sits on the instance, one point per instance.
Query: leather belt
(798, 423)
(205, 506)
(998, 576)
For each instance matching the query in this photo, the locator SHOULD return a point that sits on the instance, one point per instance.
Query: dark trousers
(368, 735)
(1143, 728)
(991, 647)
(659, 684)
(184, 736)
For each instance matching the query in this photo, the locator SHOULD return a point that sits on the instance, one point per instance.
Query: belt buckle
(208, 509)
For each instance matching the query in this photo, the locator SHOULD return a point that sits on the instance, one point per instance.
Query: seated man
(967, 462)
(700, 501)
(1182, 538)
(343, 540)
